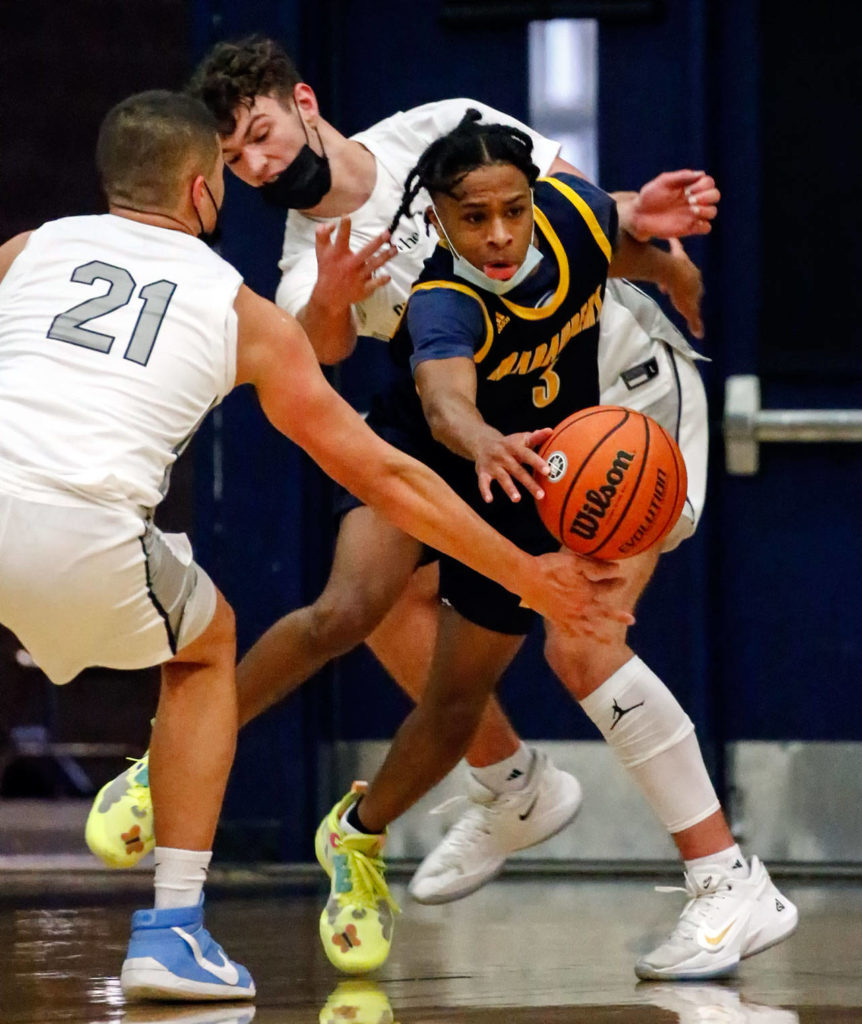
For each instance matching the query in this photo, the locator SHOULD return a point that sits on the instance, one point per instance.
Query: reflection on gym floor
(537, 950)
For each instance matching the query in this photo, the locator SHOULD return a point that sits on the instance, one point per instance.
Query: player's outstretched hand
(509, 457)
(581, 596)
(345, 277)
(675, 204)
(684, 287)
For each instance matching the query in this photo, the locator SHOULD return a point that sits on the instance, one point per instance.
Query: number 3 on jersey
(156, 295)
(549, 390)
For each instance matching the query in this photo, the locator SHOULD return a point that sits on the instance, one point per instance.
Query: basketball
(617, 483)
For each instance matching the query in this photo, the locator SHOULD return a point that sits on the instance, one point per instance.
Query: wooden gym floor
(525, 950)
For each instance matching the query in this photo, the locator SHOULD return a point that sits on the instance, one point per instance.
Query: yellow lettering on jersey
(540, 357)
(505, 368)
(545, 355)
(570, 330)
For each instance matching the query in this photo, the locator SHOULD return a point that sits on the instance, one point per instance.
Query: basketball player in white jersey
(118, 333)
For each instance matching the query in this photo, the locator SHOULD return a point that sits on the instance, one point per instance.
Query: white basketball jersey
(116, 338)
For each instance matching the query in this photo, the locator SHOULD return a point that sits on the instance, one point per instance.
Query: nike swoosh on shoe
(715, 940)
(225, 971)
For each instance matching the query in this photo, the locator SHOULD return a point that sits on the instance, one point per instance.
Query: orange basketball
(617, 483)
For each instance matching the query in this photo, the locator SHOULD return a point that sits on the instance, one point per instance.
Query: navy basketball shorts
(475, 597)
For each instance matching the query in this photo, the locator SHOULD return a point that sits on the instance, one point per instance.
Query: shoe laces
(136, 788)
(367, 874)
(703, 901)
(473, 824)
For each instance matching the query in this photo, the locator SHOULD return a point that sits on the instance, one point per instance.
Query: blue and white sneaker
(172, 956)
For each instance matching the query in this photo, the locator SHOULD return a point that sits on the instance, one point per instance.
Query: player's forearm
(330, 328)
(456, 423)
(640, 261)
(416, 500)
(629, 219)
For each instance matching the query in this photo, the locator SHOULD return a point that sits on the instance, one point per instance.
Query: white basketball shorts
(84, 585)
(645, 364)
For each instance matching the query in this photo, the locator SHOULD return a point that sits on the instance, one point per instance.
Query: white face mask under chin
(467, 272)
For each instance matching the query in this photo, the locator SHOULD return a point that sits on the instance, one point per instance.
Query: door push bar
(746, 425)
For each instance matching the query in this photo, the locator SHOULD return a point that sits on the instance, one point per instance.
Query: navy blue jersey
(535, 349)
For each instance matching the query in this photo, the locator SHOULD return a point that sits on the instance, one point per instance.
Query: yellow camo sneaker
(357, 922)
(120, 823)
(357, 1002)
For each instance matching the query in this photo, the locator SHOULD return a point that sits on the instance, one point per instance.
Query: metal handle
(746, 425)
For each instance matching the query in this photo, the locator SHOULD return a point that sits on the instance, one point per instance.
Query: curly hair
(449, 159)
(233, 74)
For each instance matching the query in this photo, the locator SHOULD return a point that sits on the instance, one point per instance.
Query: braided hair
(449, 159)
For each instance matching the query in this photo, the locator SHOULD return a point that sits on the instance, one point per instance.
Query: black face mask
(304, 182)
(210, 238)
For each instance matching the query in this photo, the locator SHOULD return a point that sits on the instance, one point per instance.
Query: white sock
(730, 860)
(180, 876)
(507, 775)
(653, 739)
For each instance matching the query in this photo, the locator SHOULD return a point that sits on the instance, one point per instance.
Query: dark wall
(62, 65)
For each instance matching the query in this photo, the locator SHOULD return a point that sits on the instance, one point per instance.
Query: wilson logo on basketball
(623, 487)
(586, 523)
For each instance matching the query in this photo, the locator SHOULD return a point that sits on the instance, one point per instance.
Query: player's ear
(197, 189)
(306, 103)
(431, 217)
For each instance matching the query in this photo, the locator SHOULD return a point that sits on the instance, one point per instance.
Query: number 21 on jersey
(157, 295)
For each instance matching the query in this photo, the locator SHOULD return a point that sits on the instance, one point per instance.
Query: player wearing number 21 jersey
(117, 334)
(97, 401)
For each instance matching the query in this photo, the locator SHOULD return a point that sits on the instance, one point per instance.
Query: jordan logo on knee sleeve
(619, 712)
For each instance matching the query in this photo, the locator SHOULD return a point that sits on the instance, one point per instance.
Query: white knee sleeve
(654, 740)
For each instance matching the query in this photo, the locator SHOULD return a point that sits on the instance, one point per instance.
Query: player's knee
(565, 656)
(222, 628)
(338, 624)
(581, 663)
(216, 645)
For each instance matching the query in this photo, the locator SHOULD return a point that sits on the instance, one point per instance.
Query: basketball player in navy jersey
(502, 337)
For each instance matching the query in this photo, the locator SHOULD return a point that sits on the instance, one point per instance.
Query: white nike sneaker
(694, 1004)
(725, 920)
(474, 850)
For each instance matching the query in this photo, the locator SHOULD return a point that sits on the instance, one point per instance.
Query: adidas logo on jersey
(502, 320)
